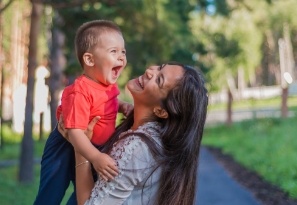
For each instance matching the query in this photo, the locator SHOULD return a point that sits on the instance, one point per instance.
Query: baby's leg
(56, 167)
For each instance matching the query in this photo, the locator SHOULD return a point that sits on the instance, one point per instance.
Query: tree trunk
(1, 78)
(26, 173)
(269, 75)
(286, 66)
(57, 65)
(229, 108)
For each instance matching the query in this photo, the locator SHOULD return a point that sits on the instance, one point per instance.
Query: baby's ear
(88, 59)
(160, 112)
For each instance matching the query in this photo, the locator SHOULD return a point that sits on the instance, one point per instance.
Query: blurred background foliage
(221, 37)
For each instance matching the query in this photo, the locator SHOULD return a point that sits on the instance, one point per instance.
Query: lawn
(13, 193)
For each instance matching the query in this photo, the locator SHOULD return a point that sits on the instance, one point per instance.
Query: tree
(1, 78)
(153, 33)
(27, 148)
(232, 44)
(57, 65)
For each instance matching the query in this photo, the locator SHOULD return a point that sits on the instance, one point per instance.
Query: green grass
(267, 146)
(14, 193)
(11, 191)
(12, 150)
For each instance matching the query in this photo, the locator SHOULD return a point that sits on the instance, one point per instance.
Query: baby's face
(109, 57)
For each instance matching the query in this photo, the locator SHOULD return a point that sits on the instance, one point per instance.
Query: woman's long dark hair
(181, 136)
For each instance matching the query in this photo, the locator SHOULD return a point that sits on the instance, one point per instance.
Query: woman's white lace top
(134, 185)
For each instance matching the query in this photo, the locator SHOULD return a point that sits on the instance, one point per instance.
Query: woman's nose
(149, 72)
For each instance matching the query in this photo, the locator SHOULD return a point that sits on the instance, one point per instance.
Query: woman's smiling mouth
(140, 82)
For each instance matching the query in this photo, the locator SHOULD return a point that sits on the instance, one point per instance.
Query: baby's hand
(126, 108)
(106, 167)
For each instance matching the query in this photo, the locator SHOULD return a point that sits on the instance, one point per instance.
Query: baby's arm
(125, 108)
(102, 163)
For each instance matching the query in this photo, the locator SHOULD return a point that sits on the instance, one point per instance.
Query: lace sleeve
(135, 162)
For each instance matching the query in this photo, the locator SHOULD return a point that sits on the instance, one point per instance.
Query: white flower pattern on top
(135, 163)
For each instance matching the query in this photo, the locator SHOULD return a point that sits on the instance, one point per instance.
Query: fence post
(41, 126)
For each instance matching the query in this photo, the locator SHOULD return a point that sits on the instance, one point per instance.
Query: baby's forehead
(106, 31)
(108, 34)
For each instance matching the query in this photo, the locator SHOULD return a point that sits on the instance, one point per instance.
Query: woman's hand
(62, 128)
(91, 125)
(88, 131)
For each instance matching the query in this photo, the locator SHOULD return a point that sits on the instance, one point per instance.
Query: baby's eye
(113, 51)
(124, 52)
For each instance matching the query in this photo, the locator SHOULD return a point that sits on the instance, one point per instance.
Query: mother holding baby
(156, 148)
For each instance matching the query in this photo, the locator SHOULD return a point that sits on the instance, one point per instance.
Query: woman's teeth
(140, 82)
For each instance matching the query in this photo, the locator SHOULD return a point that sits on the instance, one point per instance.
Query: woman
(157, 147)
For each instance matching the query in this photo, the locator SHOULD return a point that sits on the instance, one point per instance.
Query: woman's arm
(83, 179)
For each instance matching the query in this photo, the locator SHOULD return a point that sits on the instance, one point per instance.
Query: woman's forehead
(171, 74)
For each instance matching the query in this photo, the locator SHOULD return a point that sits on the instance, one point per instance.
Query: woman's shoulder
(150, 129)
(133, 146)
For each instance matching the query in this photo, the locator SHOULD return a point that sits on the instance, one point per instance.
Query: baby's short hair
(87, 35)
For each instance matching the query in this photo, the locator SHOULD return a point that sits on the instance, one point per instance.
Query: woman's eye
(158, 80)
(113, 51)
(124, 52)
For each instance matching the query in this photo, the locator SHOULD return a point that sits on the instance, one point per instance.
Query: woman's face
(153, 86)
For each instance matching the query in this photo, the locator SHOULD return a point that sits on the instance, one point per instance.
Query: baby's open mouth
(116, 70)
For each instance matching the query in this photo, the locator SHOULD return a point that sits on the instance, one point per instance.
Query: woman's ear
(160, 112)
(88, 59)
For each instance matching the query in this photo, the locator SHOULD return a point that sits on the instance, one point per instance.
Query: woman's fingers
(93, 123)
(61, 127)
(90, 128)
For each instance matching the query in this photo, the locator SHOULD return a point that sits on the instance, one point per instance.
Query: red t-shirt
(85, 99)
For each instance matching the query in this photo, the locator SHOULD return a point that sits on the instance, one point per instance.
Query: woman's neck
(141, 116)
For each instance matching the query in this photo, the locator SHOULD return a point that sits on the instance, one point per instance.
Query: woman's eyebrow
(162, 66)
(161, 80)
